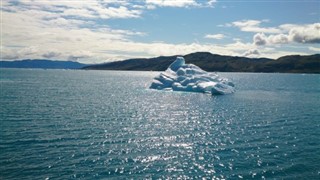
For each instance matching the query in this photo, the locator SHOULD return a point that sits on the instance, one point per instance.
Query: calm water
(59, 124)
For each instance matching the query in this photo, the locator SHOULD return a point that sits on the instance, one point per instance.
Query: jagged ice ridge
(188, 77)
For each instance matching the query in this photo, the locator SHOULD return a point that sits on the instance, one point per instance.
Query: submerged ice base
(188, 77)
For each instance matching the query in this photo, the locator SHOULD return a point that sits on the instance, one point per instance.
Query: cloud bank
(254, 26)
(306, 34)
(214, 36)
(79, 31)
(283, 34)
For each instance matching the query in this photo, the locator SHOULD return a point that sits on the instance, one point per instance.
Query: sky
(97, 31)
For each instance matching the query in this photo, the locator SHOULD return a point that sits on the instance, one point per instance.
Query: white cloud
(8, 54)
(80, 9)
(172, 3)
(260, 39)
(304, 34)
(79, 12)
(138, 6)
(116, 12)
(67, 30)
(157, 49)
(120, 2)
(151, 4)
(20, 30)
(283, 34)
(254, 26)
(278, 39)
(246, 23)
(21, 52)
(237, 39)
(316, 49)
(214, 36)
(239, 46)
(51, 54)
(77, 55)
(225, 25)
(251, 53)
(66, 23)
(211, 2)
(28, 51)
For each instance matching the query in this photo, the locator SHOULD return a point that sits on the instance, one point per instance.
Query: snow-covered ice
(188, 77)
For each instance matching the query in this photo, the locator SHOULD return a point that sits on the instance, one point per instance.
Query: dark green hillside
(292, 64)
(214, 62)
(153, 64)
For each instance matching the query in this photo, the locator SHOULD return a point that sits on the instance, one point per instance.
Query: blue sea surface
(65, 124)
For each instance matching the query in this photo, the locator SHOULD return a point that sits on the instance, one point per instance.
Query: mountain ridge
(42, 63)
(220, 63)
(205, 60)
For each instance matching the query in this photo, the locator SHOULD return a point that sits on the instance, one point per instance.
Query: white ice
(188, 77)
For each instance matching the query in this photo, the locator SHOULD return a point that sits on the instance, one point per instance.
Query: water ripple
(98, 124)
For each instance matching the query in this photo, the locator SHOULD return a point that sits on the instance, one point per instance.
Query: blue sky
(95, 31)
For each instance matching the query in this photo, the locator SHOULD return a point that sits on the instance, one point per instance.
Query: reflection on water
(105, 124)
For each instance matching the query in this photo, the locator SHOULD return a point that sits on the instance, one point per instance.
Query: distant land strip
(205, 60)
(218, 63)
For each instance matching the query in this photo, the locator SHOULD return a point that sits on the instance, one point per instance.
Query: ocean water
(64, 124)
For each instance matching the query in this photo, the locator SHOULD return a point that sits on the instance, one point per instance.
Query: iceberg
(188, 77)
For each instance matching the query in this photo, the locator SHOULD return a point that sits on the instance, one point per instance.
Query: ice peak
(177, 64)
(188, 77)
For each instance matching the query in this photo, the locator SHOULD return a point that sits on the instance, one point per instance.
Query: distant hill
(214, 62)
(292, 64)
(141, 64)
(41, 63)
(205, 60)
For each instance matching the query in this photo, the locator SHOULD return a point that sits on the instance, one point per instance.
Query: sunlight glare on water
(108, 124)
